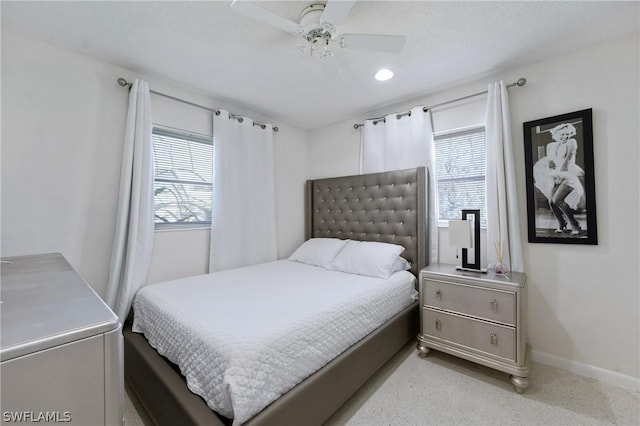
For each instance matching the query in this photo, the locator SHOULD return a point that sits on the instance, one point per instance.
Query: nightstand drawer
(478, 335)
(493, 305)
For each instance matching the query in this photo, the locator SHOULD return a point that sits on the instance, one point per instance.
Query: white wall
(583, 300)
(63, 118)
(62, 130)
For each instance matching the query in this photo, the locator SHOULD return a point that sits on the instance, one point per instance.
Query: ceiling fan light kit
(314, 30)
(318, 27)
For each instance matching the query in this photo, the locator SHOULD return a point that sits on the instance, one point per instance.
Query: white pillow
(401, 264)
(367, 258)
(318, 251)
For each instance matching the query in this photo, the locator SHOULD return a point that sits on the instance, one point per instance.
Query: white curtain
(243, 224)
(133, 240)
(503, 224)
(402, 142)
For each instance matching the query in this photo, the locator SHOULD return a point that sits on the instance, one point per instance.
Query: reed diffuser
(500, 268)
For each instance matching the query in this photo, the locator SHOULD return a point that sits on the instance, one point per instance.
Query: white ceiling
(236, 59)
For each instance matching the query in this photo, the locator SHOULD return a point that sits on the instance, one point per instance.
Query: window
(183, 166)
(460, 172)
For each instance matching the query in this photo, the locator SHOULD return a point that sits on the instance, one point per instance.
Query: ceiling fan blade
(261, 14)
(336, 11)
(377, 43)
(330, 67)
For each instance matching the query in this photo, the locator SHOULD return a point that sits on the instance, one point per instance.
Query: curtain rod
(520, 82)
(124, 83)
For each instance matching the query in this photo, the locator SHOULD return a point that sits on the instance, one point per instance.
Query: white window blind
(183, 166)
(460, 173)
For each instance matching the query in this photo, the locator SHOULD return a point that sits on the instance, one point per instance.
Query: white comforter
(244, 337)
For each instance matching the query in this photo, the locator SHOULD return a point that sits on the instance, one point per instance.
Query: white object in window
(183, 166)
(460, 172)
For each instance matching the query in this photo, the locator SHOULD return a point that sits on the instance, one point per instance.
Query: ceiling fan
(318, 27)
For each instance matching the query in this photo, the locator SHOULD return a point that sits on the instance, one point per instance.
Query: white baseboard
(607, 376)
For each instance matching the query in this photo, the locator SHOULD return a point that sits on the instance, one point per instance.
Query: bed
(382, 207)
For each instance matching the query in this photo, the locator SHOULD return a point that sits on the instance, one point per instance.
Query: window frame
(444, 223)
(190, 137)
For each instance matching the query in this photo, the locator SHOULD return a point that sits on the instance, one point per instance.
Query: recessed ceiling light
(384, 74)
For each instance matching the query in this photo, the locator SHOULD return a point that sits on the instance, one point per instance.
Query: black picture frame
(561, 197)
(475, 215)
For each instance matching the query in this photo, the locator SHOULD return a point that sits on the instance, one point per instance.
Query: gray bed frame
(386, 207)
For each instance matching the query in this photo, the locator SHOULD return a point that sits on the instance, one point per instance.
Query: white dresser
(477, 316)
(61, 347)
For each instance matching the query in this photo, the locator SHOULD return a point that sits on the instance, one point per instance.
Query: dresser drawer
(479, 335)
(493, 305)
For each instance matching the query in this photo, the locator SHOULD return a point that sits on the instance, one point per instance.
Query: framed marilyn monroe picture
(561, 204)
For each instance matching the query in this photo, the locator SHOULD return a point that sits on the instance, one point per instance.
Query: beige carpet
(443, 389)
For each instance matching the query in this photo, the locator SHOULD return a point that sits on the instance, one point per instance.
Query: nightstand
(480, 317)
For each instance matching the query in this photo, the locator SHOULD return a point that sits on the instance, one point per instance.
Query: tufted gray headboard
(387, 207)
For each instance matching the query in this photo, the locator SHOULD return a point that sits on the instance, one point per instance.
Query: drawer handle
(494, 339)
(438, 325)
(494, 305)
(438, 295)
